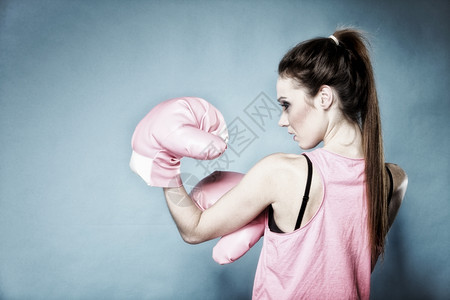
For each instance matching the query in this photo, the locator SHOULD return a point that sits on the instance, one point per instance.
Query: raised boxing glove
(234, 245)
(176, 128)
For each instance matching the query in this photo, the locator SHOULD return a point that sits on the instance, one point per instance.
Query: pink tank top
(329, 257)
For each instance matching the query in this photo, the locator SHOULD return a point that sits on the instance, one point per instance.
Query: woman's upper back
(291, 186)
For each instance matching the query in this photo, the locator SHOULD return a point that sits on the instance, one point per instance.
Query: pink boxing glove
(234, 245)
(174, 129)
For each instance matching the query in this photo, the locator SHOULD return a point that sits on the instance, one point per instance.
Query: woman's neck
(344, 137)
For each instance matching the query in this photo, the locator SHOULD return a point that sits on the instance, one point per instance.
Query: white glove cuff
(162, 177)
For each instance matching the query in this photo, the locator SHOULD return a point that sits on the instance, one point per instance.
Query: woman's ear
(326, 97)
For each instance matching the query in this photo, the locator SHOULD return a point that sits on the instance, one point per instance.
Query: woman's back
(329, 256)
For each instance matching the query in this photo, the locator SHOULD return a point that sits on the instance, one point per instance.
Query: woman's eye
(285, 105)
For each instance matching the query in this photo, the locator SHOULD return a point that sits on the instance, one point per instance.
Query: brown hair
(345, 65)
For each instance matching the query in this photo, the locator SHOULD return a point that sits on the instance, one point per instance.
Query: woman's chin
(306, 146)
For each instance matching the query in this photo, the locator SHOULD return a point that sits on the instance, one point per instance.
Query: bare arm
(400, 185)
(238, 207)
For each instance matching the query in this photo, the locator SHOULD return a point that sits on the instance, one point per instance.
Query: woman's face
(302, 117)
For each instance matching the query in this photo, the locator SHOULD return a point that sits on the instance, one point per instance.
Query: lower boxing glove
(234, 245)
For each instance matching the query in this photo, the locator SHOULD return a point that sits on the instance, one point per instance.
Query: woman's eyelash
(285, 105)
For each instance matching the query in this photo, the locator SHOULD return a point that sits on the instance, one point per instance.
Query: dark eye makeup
(284, 104)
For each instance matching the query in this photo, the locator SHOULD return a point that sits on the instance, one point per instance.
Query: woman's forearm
(184, 212)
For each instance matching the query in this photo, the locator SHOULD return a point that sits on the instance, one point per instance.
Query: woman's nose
(283, 122)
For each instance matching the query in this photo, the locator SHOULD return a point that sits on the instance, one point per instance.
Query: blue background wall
(77, 76)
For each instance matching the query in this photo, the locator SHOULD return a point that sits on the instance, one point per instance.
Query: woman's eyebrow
(281, 98)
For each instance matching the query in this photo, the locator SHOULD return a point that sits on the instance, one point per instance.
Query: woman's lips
(292, 134)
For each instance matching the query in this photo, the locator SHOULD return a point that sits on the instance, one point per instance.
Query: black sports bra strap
(306, 195)
(391, 185)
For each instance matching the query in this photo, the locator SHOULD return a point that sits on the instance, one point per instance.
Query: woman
(326, 243)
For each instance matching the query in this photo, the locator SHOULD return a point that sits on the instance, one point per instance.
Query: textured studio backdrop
(77, 76)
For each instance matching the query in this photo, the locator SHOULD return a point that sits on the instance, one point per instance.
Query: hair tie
(334, 39)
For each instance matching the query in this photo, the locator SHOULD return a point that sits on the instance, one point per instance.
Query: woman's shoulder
(283, 167)
(283, 175)
(399, 176)
(283, 160)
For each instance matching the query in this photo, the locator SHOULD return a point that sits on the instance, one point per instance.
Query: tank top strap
(391, 185)
(272, 225)
(306, 194)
